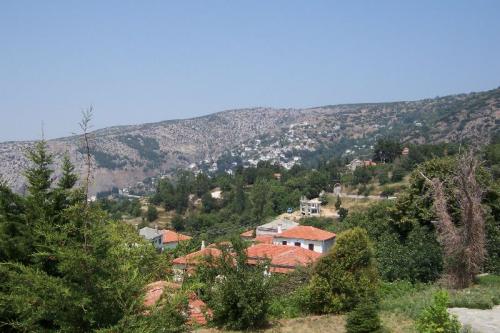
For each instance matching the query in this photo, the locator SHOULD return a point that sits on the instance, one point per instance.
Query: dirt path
(481, 321)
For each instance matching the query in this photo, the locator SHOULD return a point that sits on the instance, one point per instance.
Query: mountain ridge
(125, 154)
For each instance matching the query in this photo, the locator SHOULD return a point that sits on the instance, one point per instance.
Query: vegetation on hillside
(81, 269)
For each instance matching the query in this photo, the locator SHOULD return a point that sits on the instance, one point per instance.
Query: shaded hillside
(126, 154)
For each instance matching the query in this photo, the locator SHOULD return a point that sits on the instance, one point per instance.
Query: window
(283, 243)
(297, 244)
(311, 247)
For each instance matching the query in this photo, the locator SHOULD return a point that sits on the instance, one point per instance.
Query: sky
(147, 61)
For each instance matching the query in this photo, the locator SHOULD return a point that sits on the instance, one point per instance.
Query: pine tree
(68, 178)
(39, 182)
(39, 175)
(364, 318)
(15, 238)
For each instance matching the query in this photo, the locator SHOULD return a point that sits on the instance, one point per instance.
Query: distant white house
(216, 194)
(359, 163)
(310, 207)
(162, 239)
(307, 237)
(355, 163)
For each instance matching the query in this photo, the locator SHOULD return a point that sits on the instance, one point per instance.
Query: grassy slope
(401, 304)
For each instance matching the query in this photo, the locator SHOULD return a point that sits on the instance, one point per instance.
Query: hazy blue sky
(145, 61)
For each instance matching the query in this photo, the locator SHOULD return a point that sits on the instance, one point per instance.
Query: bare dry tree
(464, 242)
(85, 126)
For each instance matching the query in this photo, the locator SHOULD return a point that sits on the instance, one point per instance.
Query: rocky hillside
(126, 154)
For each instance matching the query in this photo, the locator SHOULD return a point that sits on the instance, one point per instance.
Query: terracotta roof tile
(198, 310)
(282, 256)
(198, 256)
(266, 239)
(306, 232)
(170, 236)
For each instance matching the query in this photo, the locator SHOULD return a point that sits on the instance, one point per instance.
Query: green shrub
(364, 318)
(345, 276)
(436, 318)
(240, 299)
(152, 213)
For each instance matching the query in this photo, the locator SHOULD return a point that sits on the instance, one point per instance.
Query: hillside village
(287, 244)
(261, 245)
(125, 155)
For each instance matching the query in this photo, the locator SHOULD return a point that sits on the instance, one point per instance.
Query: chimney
(279, 229)
(202, 244)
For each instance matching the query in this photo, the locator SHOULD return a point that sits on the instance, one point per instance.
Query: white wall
(170, 245)
(319, 246)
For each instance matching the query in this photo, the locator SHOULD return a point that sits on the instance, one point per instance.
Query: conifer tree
(68, 178)
(39, 175)
(15, 244)
(39, 181)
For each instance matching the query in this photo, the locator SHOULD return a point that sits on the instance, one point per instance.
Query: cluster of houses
(284, 244)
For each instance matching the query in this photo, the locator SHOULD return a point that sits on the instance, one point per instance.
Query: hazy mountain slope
(126, 154)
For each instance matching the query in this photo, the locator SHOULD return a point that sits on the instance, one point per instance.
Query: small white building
(153, 235)
(355, 163)
(307, 237)
(310, 207)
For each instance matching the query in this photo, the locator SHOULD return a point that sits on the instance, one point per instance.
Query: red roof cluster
(266, 239)
(170, 236)
(306, 232)
(197, 257)
(198, 310)
(283, 259)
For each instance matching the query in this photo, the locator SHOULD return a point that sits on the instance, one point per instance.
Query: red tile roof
(170, 236)
(198, 310)
(266, 239)
(306, 232)
(198, 256)
(283, 258)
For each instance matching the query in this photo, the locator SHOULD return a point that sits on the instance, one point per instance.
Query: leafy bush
(436, 318)
(152, 213)
(240, 298)
(345, 276)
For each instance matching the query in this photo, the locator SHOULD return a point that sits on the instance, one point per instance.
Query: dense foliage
(436, 318)
(77, 271)
(237, 293)
(364, 319)
(344, 277)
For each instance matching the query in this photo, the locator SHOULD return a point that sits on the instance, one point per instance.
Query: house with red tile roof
(282, 259)
(171, 239)
(306, 237)
(198, 312)
(186, 265)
